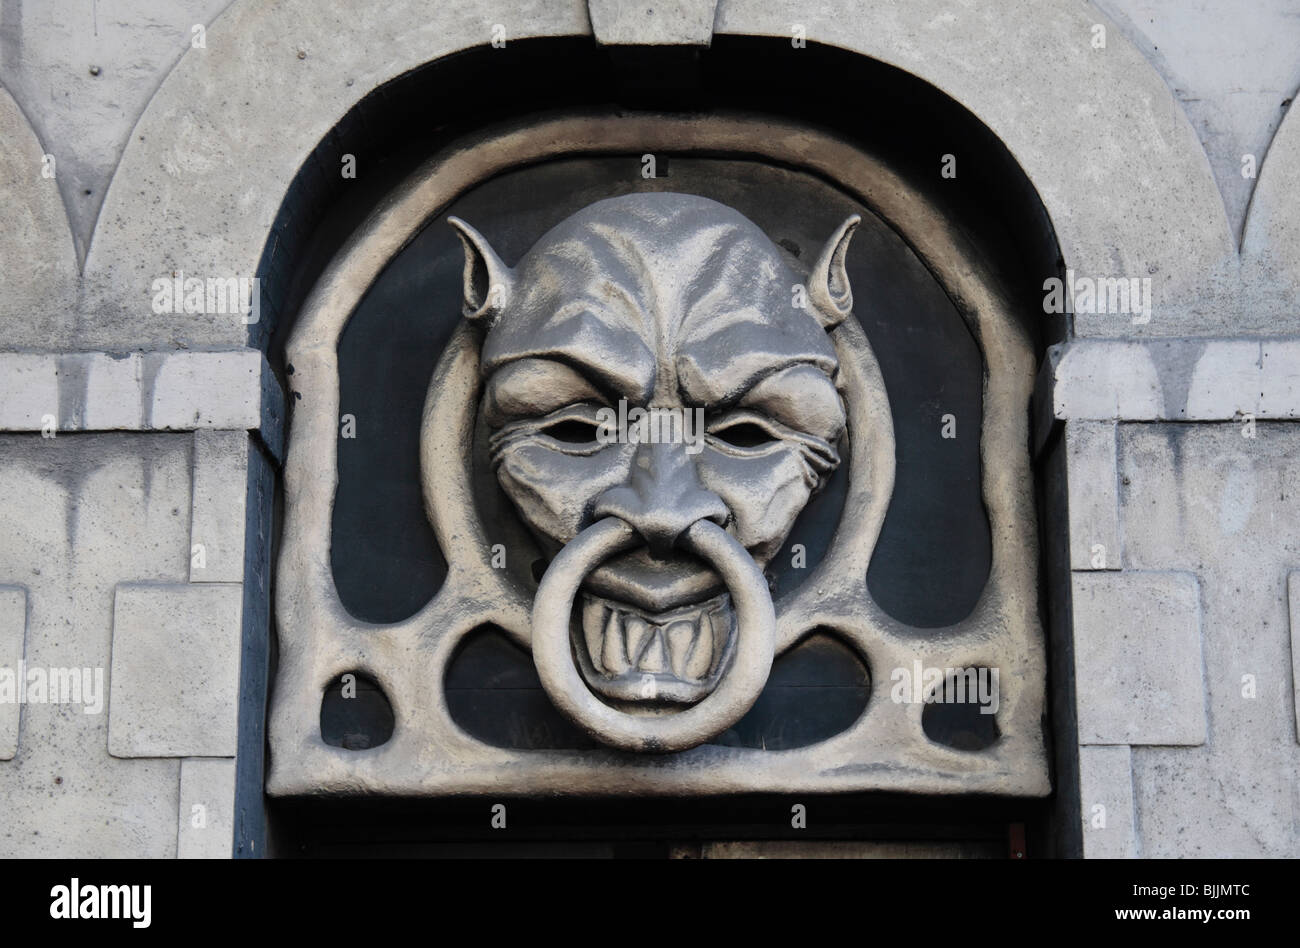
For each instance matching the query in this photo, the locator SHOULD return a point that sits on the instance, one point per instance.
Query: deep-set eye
(747, 435)
(744, 431)
(572, 431)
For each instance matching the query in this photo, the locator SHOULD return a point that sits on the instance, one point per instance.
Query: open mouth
(642, 659)
(638, 581)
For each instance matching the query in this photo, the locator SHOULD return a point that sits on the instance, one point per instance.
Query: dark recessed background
(932, 559)
(933, 556)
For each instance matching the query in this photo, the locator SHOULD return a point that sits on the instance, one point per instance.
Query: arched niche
(982, 236)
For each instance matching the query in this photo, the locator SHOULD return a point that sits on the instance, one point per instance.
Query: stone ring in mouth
(721, 693)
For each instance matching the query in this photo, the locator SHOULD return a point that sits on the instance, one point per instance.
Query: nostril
(658, 519)
(718, 513)
(707, 506)
(661, 552)
(661, 533)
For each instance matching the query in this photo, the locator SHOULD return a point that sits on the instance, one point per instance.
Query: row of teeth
(620, 642)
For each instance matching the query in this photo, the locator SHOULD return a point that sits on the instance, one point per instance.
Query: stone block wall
(138, 452)
(1184, 541)
(123, 601)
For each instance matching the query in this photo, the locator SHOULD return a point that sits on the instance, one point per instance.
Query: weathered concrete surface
(1270, 247)
(1248, 377)
(78, 515)
(1096, 130)
(1171, 380)
(205, 821)
(1206, 499)
(1121, 150)
(1232, 69)
(48, 49)
(175, 670)
(1137, 658)
(13, 629)
(1100, 380)
(220, 493)
(1106, 801)
(1094, 501)
(162, 390)
(1115, 144)
(201, 144)
(38, 273)
(653, 22)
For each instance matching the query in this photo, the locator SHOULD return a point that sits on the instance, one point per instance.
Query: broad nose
(662, 498)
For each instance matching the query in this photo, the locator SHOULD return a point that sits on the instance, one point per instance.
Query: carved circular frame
(428, 753)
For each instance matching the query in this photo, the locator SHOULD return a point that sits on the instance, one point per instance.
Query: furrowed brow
(532, 386)
(802, 397)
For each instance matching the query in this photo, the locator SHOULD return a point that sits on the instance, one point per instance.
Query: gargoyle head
(656, 358)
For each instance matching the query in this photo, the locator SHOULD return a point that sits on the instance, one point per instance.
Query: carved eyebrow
(610, 355)
(719, 375)
(802, 397)
(531, 387)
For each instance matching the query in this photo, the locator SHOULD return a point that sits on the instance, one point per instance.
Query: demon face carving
(658, 360)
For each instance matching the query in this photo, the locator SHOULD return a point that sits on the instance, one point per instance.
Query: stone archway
(1101, 138)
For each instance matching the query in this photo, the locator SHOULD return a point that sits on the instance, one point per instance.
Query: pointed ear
(488, 281)
(829, 288)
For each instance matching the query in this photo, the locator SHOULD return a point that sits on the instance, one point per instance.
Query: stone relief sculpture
(679, 313)
(637, 411)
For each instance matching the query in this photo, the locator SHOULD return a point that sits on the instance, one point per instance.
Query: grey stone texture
(1173, 380)
(1137, 658)
(199, 146)
(1206, 499)
(1117, 123)
(175, 670)
(13, 628)
(1293, 596)
(1101, 380)
(1094, 500)
(653, 22)
(1246, 377)
(1270, 245)
(1106, 801)
(217, 519)
(176, 391)
(1084, 164)
(38, 278)
(78, 515)
(48, 49)
(1231, 68)
(1230, 73)
(205, 828)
